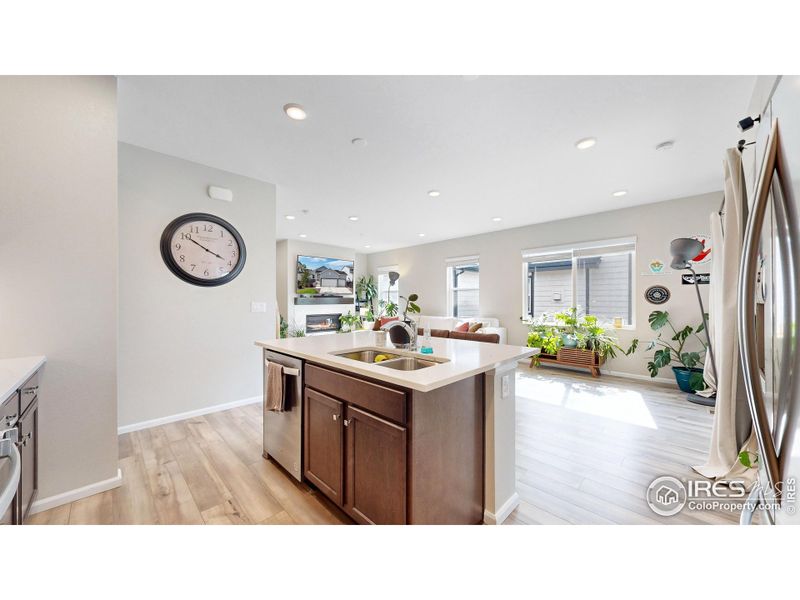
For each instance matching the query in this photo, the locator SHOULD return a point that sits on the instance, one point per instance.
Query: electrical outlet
(258, 307)
(504, 386)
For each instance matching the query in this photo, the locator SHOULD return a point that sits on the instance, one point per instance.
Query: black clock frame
(166, 253)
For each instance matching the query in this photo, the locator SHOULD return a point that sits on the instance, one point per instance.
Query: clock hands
(204, 248)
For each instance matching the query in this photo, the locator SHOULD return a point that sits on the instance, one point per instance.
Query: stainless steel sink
(367, 356)
(407, 363)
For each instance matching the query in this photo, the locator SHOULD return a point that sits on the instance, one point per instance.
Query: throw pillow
(385, 320)
(463, 327)
(474, 327)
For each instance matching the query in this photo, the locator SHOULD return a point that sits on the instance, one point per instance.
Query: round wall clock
(656, 294)
(203, 249)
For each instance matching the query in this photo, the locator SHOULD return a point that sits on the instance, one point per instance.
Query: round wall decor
(203, 249)
(656, 294)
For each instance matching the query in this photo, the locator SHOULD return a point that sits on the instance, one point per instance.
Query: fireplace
(322, 323)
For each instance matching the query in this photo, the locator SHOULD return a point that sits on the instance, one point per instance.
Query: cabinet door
(323, 445)
(29, 476)
(376, 469)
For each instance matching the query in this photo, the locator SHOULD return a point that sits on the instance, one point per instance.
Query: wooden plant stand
(573, 357)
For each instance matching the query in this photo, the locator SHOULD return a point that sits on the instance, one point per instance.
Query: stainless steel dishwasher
(283, 431)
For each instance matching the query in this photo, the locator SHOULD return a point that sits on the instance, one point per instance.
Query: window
(385, 292)
(596, 278)
(463, 289)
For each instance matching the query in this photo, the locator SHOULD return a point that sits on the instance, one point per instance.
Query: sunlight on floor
(610, 402)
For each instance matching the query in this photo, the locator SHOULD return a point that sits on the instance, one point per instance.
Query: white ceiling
(494, 146)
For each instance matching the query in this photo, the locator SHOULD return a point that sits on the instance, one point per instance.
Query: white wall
(287, 252)
(422, 268)
(58, 273)
(184, 347)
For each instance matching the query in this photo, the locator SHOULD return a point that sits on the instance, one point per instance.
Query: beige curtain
(732, 428)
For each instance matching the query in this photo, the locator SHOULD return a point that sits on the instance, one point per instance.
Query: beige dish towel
(273, 387)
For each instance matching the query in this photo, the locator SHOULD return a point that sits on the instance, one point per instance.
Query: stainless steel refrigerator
(770, 310)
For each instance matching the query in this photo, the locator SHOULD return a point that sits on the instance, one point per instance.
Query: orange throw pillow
(463, 328)
(385, 320)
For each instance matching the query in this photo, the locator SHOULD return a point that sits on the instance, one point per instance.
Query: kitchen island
(394, 436)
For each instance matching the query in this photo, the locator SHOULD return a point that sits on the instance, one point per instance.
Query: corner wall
(183, 347)
(422, 268)
(58, 273)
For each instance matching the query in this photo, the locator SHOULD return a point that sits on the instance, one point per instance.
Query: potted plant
(368, 319)
(349, 322)
(568, 322)
(367, 291)
(688, 375)
(571, 331)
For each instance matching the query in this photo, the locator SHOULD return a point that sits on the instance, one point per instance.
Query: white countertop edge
(387, 375)
(16, 371)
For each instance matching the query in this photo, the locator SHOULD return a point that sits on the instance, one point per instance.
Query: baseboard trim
(76, 494)
(186, 415)
(638, 376)
(502, 514)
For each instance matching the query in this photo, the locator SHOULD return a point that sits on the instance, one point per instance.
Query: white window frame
(395, 288)
(455, 262)
(574, 252)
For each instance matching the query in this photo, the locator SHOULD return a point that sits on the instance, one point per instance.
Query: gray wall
(422, 268)
(58, 273)
(184, 347)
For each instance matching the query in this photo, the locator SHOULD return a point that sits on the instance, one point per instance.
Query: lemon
(380, 358)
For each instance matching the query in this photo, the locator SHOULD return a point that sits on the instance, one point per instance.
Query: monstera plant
(670, 350)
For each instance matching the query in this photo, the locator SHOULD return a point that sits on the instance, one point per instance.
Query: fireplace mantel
(308, 300)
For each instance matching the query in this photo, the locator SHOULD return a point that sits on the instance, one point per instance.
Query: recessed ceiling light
(367, 246)
(360, 142)
(294, 111)
(302, 235)
(290, 217)
(497, 219)
(434, 193)
(421, 234)
(353, 218)
(585, 143)
(619, 193)
(665, 145)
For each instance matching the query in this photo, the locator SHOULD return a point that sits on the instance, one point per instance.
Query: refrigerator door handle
(746, 302)
(8, 449)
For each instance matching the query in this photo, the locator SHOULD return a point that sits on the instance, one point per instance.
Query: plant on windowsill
(687, 373)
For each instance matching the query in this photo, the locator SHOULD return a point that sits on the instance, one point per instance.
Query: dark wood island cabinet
(389, 455)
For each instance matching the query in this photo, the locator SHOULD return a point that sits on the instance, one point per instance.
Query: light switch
(504, 386)
(258, 307)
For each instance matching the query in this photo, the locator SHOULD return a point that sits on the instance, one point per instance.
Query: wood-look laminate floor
(586, 451)
(588, 448)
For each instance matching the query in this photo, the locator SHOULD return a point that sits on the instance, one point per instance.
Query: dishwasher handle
(286, 370)
(8, 449)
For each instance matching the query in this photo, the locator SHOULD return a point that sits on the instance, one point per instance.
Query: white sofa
(490, 324)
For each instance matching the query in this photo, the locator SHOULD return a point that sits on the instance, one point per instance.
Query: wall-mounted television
(317, 275)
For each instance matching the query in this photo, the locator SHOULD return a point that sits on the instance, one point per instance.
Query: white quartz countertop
(465, 358)
(15, 371)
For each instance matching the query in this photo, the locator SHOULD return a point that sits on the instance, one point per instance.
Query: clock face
(203, 249)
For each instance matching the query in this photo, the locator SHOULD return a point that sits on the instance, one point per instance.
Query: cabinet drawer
(384, 401)
(28, 392)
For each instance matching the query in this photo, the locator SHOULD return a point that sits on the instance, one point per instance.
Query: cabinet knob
(347, 422)
(335, 417)
(11, 420)
(24, 441)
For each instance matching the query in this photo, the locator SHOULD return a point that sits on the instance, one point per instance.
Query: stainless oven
(283, 431)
